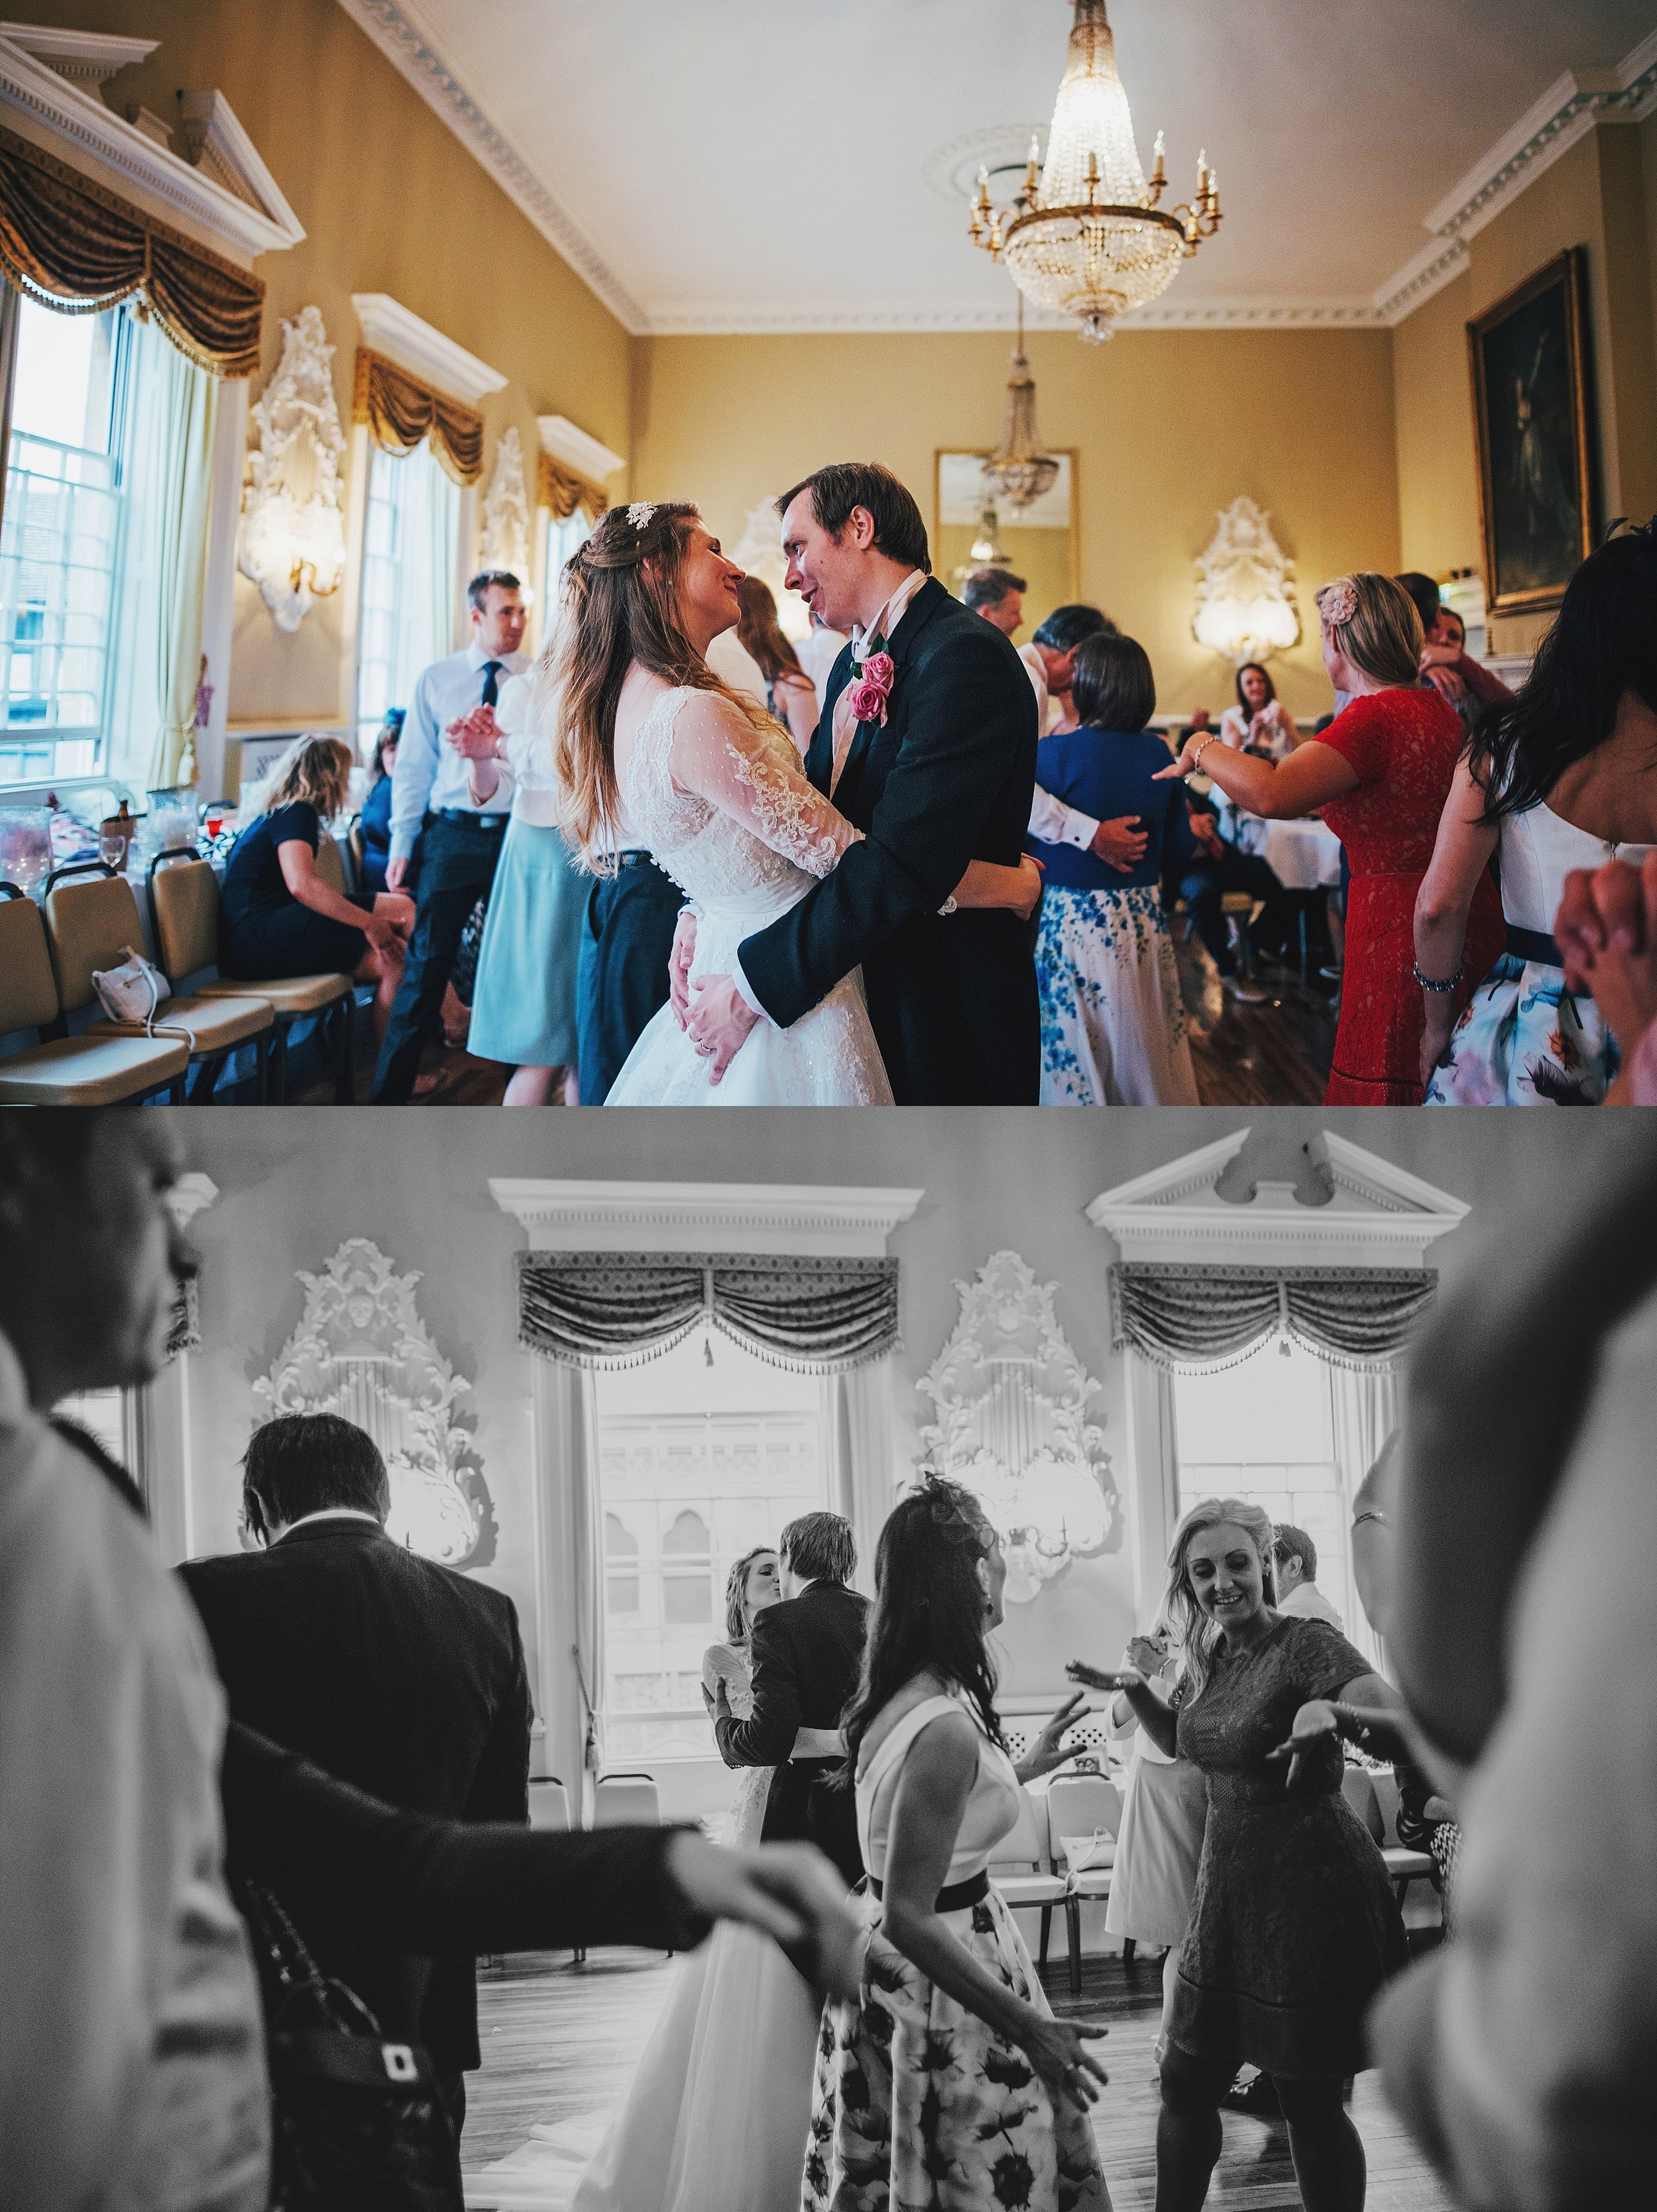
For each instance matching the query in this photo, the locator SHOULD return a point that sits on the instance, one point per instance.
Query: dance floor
(559, 2041)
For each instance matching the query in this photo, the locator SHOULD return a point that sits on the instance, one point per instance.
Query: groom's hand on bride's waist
(719, 1022)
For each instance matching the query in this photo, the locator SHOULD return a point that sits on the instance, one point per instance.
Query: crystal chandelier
(1085, 236)
(1018, 469)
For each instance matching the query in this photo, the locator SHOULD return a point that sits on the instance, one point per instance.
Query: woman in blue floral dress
(948, 2083)
(1112, 1022)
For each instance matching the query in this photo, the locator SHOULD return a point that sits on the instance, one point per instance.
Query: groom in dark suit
(927, 742)
(382, 1668)
(808, 1654)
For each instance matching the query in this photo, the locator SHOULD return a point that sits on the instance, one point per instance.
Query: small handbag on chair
(357, 2124)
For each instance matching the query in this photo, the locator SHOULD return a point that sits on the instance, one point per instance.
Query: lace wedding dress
(717, 2113)
(727, 812)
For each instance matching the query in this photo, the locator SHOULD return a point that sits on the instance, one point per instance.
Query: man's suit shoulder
(227, 1574)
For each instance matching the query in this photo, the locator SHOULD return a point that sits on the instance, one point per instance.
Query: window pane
(621, 1594)
(411, 544)
(688, 1533)
(686, 1598)
(616, 1539)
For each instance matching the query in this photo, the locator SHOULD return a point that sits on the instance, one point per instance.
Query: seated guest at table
(1214, 867)
(1561, 774)
(790, 695)
(1112, 1020)
(1380, 774)
(375, 820)
(1608, 929)
(1447, 665)
(1259, 721)
(1200, 724)
(1294, 1558)
(277, 917)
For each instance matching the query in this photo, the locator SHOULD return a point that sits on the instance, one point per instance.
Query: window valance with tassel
(561, 491)
(399, 411)
(1203, 1317)
(69, 244)
(819, 1317)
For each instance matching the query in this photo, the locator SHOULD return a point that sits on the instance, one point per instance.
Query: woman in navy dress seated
(375, 820)
(1113, 1021)
(277, 916)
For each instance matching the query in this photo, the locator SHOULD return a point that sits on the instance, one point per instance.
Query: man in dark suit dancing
(927, 742)
(808, 1654)
(383, 1668)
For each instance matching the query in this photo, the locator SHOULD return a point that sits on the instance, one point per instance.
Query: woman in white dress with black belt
(715, 2119)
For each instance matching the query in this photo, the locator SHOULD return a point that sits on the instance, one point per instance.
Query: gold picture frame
(1528, 360)
(1072, 456)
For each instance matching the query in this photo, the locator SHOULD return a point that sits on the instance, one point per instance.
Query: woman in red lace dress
(1380, 772)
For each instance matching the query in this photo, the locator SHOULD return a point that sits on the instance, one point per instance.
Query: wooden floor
(559, 2041)
(1276, 1053)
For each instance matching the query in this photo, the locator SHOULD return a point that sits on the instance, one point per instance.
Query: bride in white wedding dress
(716, 2116)
(657, 753)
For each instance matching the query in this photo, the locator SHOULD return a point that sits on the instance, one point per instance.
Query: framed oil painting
(1529, 360)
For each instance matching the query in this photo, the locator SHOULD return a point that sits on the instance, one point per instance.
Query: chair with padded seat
(60, 1069)
(1019, 1869)
(92, 918)
(626, 1800)
(184, 916)
(1081, 1805)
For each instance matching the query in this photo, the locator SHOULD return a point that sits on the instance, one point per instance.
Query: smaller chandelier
(1084, 236)
(1018, 469)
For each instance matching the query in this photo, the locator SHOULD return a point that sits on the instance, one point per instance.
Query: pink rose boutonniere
(872, 688)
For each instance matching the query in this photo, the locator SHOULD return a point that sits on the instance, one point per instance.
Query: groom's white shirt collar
(846, 723)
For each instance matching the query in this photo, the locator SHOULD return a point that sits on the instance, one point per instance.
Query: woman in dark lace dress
(1294, 1926)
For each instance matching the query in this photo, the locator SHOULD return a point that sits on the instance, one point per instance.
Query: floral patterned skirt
(918, 2102)
(1526, 1041)
(1112, 1022)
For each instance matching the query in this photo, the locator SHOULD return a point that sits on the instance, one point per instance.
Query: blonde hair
(738, 1621)
(1198, 1636)
(1381, 634)
(620, 605)
(314, 770)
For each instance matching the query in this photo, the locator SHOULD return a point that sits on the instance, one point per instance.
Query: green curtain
(186, 416)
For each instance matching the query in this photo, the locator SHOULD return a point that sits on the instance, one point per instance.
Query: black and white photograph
(892, 565)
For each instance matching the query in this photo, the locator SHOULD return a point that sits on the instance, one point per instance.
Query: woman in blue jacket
(1112, 1022)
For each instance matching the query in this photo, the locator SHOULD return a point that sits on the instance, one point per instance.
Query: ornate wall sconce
(292, 539)
(1246, 605)
(1011, 1398)
(361, 1351)
(506, 512)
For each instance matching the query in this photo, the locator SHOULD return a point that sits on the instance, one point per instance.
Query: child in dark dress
(277, 916)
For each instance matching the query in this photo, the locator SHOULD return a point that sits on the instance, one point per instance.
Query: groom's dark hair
(899, 533)
(820, 1547)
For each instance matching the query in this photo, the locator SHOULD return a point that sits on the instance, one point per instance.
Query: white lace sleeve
(758, 782)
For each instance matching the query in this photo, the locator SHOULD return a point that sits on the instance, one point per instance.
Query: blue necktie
(491, 687)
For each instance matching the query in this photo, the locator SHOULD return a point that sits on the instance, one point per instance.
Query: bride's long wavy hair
(928, 1607)
(620, 605)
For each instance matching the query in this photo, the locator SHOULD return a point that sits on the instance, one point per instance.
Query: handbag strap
(287, 1963)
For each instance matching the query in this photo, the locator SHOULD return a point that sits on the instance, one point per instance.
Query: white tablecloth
(1302, 855)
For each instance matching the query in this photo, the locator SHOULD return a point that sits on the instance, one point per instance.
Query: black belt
(955, 1898)
(465, 814)
(635, 856)
(1533, 945)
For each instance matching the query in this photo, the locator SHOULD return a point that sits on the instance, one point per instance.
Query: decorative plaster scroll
(1011, 1398)
(1245, 604)
(361, 1351)
(759, 553)
(292, 539)
(506, 511)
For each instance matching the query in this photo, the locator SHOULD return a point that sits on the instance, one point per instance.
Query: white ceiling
(784, 164)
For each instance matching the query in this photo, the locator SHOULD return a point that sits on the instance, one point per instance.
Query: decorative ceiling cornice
(822, 1219)
(1183, 313)
(400, 37)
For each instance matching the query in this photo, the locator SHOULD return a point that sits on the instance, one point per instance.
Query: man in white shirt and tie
(441, 837)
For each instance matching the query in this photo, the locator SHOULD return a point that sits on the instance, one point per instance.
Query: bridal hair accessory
(639, 514)
(873, 687)
(1337, 603)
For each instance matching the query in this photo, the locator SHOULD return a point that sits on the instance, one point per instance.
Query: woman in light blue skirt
(523, 1003)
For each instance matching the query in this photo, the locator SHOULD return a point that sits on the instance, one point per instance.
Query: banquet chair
(92, 924)
(1019, 1872)
(330, 864)
(549, 1808)
(59, 1070)
(1081, 1805)
(1358, 1788)
(1403, 1866)
(619, 1800)
(184, 914)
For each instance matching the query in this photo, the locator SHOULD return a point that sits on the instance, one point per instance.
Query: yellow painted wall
(1600, 195)
(1170, 426)
(393, 203)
